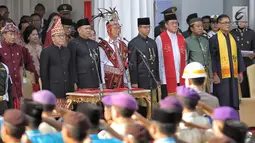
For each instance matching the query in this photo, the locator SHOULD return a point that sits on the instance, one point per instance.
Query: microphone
(140, 52)
(100, 38)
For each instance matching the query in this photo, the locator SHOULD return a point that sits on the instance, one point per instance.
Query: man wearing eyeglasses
(172, 55)
(246, 38)
(55, 65)
(227, 64)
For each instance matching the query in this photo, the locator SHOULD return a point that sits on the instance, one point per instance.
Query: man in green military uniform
(246, 38)
(198, 48)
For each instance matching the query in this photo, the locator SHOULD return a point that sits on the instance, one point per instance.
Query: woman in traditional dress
(31, 39)
(46, 34)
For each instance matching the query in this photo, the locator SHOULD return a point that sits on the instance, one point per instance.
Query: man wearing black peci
(139, 73)
(83, 50)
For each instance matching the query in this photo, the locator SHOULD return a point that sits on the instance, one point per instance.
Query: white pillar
(251, 14)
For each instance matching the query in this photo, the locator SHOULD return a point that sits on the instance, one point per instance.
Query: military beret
(15, 117)
(124, 100)
(191, 16)
(225, 113)
(107, 100)
(171, 103)
(44, 97)
(143, 21)
(66, 21)
(84, 21)
(64, 8)
(169, 10)
(188, 93)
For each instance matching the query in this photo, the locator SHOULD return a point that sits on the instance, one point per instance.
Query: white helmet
(194, 70)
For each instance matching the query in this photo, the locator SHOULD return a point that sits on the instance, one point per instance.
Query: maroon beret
(15, 117)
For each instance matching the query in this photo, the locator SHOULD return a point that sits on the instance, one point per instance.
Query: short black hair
(189, 104)
(22, 22)
(92, 111)
(7, 21)
(77, 133)
(27, 33)
(15, 131)
(167, 129)
(124, 112)
(221, 17)
(3, 6)
(198, 81)
(40, 5)
(34, 123)
(235, 129)
(206, 17)
(35, 14)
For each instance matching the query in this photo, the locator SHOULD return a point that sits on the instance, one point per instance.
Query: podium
(92, 96)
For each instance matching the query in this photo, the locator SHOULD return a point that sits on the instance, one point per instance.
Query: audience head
(30, 35)
(13, 126)
(75, 127)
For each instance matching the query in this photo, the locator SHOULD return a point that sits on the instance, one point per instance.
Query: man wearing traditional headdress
(113, 54)
(55, 65)
(17, 59)
(172, 55)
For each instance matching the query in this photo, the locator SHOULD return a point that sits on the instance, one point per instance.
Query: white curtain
(129, 11)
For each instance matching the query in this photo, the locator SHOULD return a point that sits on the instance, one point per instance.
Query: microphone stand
(151, 74)
(95, 57)
(125, 74)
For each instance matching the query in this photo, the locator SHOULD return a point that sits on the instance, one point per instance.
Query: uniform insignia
(173, 10)
(5, 54)
(64, 7)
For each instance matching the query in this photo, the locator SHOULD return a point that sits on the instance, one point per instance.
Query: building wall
(202, 7)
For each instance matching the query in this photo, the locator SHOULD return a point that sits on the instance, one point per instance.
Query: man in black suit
(83, 51)
(40, 9)
(55, 65)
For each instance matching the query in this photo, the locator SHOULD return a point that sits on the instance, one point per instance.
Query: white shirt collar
(171, 34)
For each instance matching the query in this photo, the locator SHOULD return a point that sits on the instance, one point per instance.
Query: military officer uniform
(66, 9)
(246, 39)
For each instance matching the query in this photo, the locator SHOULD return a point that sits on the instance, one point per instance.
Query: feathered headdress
(111, 16)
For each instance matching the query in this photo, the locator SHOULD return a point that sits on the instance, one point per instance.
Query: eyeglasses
(173, 23)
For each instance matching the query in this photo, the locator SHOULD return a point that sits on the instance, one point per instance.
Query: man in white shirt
(172, 54)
